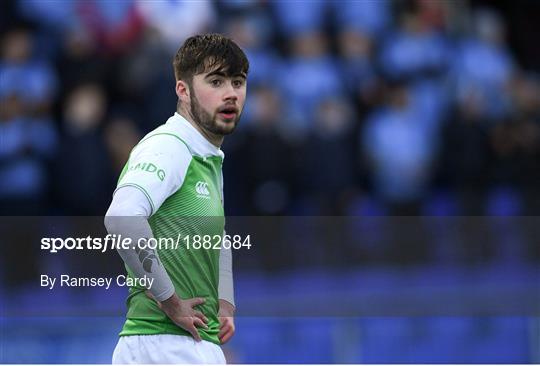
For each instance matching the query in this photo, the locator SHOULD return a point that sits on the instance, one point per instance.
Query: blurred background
(366, 108)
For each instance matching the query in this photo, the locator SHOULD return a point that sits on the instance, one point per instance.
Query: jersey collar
(197, 142)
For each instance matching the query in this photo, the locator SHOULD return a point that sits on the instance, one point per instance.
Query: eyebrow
(222, 74)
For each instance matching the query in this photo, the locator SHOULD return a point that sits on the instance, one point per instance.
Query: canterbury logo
(202, 189)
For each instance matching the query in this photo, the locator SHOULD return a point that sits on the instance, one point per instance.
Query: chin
(227, 131)
(225, 128)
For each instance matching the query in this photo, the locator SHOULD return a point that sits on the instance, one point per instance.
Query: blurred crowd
(370, 107)
(354, 108)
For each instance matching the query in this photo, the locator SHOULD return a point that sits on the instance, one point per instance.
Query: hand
(226, 321)
(181, 312)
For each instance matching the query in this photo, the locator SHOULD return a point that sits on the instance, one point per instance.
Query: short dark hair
(209, 52)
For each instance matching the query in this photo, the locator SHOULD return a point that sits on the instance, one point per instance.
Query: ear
(182, 91)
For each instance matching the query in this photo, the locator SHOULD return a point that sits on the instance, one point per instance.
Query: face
(217, 101)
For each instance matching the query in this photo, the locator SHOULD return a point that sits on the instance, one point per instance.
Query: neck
(214, 139)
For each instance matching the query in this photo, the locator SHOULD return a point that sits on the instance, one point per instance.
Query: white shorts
(166, 349)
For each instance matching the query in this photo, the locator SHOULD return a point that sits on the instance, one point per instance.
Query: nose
(230, 93)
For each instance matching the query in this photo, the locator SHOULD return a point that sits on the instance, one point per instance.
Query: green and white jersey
(180, 174)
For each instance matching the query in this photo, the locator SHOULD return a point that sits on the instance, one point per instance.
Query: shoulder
(165, 141)
(157, 166)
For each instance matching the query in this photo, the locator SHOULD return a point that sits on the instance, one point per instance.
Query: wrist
(171, 302)
(226, 308)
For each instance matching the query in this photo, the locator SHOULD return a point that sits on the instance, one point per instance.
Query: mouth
(228, 113)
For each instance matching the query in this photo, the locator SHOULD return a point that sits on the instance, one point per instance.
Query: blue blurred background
(355, 108)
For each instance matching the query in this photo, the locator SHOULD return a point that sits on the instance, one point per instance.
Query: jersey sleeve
(226, 282)
(157, 167)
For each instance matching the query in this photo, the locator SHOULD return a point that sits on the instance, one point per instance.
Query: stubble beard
(209, 122)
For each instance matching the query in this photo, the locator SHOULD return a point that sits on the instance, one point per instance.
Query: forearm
(226, 283)
(127, 217)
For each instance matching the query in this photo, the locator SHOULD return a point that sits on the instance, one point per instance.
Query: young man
(170, 186)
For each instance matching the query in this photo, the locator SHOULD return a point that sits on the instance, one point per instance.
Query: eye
(215, 82)
(238, 83)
